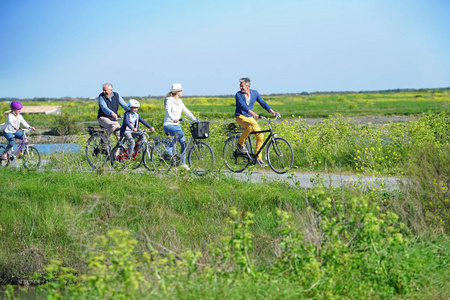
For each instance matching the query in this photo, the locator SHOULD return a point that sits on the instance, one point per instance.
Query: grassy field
(129, 235)
(290, 106)
(173, 236)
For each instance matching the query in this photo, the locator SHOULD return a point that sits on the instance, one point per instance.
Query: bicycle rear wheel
(138, 157)
(4, 162)
(201, 158)
(233, 159)
(119, 158)
(31, 158)
(96, 153)
(280, 155)
(160, 160)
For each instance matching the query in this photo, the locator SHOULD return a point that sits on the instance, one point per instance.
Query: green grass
(290, 106)
(59, 215)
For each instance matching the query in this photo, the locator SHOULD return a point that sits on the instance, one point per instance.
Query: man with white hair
(108, 102)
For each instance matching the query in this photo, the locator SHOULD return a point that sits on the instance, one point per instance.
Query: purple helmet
(16, 105)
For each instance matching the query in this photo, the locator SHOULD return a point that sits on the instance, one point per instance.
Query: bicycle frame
(141, 142)
(21, 147)
(251, 154)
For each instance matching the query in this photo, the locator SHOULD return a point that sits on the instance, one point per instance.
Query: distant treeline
(47, 99)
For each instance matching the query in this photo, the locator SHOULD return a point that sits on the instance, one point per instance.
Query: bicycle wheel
(96, 154)
(280, 155)
(119, 158)
(233, 159)
(4, 162)
(200, 158)
(159, 158)
(138, 157)
(31, 158)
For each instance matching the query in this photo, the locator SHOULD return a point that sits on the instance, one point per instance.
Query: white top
(173, 111)
(134, 119)
(13, 121)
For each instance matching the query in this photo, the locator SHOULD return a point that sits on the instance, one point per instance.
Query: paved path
(308, 180)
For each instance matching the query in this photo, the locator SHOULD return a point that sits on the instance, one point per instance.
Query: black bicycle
(97, 152)
(199, 154)
(279, 154)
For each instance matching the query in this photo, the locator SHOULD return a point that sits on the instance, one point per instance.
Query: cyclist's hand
(114, 115)
(255, 116)
(32, 128)
(134, 129)
(152, 129)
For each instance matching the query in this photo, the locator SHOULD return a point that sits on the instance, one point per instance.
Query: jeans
(175, 130)
(10, 137)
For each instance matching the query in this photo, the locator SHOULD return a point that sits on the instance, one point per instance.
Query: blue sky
(70, 48)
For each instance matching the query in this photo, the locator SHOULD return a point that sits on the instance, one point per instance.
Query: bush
(66, 124)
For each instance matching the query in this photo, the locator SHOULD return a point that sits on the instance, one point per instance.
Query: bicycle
(97, 152)
(120, 159)
(31, 157)
(199, 154)
(279, 154)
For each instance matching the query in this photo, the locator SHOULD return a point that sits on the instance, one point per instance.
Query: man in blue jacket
(245, 116)
(108, 102)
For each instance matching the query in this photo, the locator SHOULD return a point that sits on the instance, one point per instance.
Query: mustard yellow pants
(250, 125)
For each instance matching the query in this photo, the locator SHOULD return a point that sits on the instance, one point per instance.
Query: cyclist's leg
(129, 138)
(9, 136)
(179, 136)
(250, 125)
(109, 126)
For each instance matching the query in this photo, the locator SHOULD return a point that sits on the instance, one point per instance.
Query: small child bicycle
(31, 158)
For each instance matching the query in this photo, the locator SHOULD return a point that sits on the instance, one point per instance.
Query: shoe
(184, 166)
(261, 163)
(242, 148)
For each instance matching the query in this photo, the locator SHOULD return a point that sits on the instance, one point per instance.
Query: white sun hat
(176, 87)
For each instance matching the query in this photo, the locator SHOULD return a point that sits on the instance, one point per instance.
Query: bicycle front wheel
(4, 162)
(96, 153)
(31, 158)
(233, 159)
(280, 155)
(201, 158)
(160, 160)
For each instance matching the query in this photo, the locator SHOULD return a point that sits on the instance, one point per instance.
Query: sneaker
(242, 148)
(184, 166)
(261, 163)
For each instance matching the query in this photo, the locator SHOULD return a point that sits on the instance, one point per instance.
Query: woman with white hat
(173, 107)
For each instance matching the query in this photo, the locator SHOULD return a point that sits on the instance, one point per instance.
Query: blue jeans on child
(10, 137)
(175, 130)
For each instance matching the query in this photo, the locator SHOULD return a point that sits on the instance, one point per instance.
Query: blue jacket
(241, 106)
(127, 123)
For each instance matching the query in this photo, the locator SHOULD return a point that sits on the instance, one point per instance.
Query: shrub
(66, 124)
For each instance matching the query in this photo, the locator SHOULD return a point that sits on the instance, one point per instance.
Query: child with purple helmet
(11, 127)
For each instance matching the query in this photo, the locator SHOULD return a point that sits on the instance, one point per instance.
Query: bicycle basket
(200, 130)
